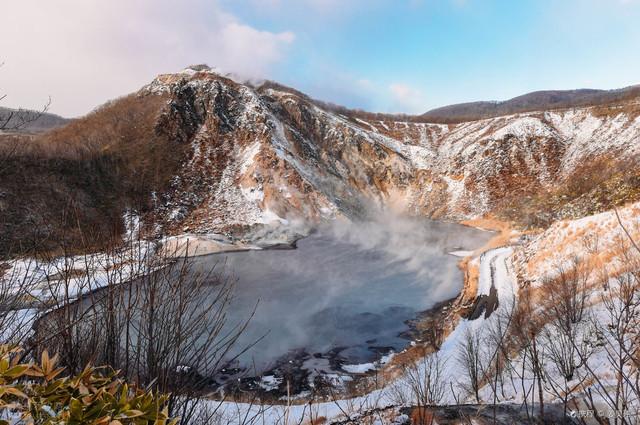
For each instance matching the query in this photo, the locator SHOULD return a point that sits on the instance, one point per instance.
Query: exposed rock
(269, 156)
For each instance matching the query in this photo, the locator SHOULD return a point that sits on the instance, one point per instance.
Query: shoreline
(200, 245)
(445, 314)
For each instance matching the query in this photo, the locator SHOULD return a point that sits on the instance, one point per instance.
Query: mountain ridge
(456, 113)
(197, 152)
(539, 100)
(531, 102)
(27, 120)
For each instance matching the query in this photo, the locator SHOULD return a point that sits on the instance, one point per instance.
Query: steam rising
(402, 239)
(349, 285)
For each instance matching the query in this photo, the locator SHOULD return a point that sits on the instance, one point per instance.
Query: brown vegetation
(74, 183)
(595, 185)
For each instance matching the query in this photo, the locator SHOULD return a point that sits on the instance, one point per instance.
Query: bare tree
(564, 335)
(421, 386)
(13, 120)
(17, 119)
(618, 329)
(470, 358)
(16, 303)
(498, 341)
(160, 320)
(525, 333)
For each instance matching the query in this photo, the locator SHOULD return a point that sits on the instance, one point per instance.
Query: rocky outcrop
(269, 155)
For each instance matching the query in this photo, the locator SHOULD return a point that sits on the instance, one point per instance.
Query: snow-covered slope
(265, 155)
(599, 240)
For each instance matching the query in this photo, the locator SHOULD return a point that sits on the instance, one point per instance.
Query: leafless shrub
(616, 330)
(16, 303)
(620, 342)
(525, 333)
(421, 386)
(501, 370)
(161, 321)
(16, 119)
(471, 359)
(564, 336)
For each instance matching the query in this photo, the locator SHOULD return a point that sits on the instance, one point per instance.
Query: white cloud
(307, 14)
(83, 52)
(316, 5)
(406, 99)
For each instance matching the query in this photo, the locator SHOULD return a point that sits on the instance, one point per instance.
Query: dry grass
(320, 420)
(471, 272)
(597, 184)
(422, 416)
(599, 242)
(494, 224)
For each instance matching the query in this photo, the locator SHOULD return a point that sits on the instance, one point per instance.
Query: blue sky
(379, 55)
(441, 52)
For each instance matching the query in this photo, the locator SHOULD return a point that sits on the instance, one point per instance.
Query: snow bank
(503, 280)
(52, 279)
(597, 238)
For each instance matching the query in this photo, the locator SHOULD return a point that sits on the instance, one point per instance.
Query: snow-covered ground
(595, 355)
(69, 276)
(597, 238)
(602, 248)
(32, 285)
(46, 281)
(495, 270)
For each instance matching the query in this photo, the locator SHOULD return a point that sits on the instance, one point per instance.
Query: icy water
(345, 290)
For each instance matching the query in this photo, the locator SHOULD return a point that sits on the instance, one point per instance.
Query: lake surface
(346, 291)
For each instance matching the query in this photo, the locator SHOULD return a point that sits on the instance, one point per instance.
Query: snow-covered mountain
(198, 152)
(268, 154)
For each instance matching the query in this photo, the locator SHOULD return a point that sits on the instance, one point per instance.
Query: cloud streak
(83, 53)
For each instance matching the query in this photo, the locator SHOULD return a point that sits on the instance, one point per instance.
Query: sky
(378, 55)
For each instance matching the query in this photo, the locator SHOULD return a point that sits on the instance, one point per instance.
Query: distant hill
(472, 111)
(535, 101)
(24, 120)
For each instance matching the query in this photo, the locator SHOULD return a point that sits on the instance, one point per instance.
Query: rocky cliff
(197, 152)
(267, 154)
